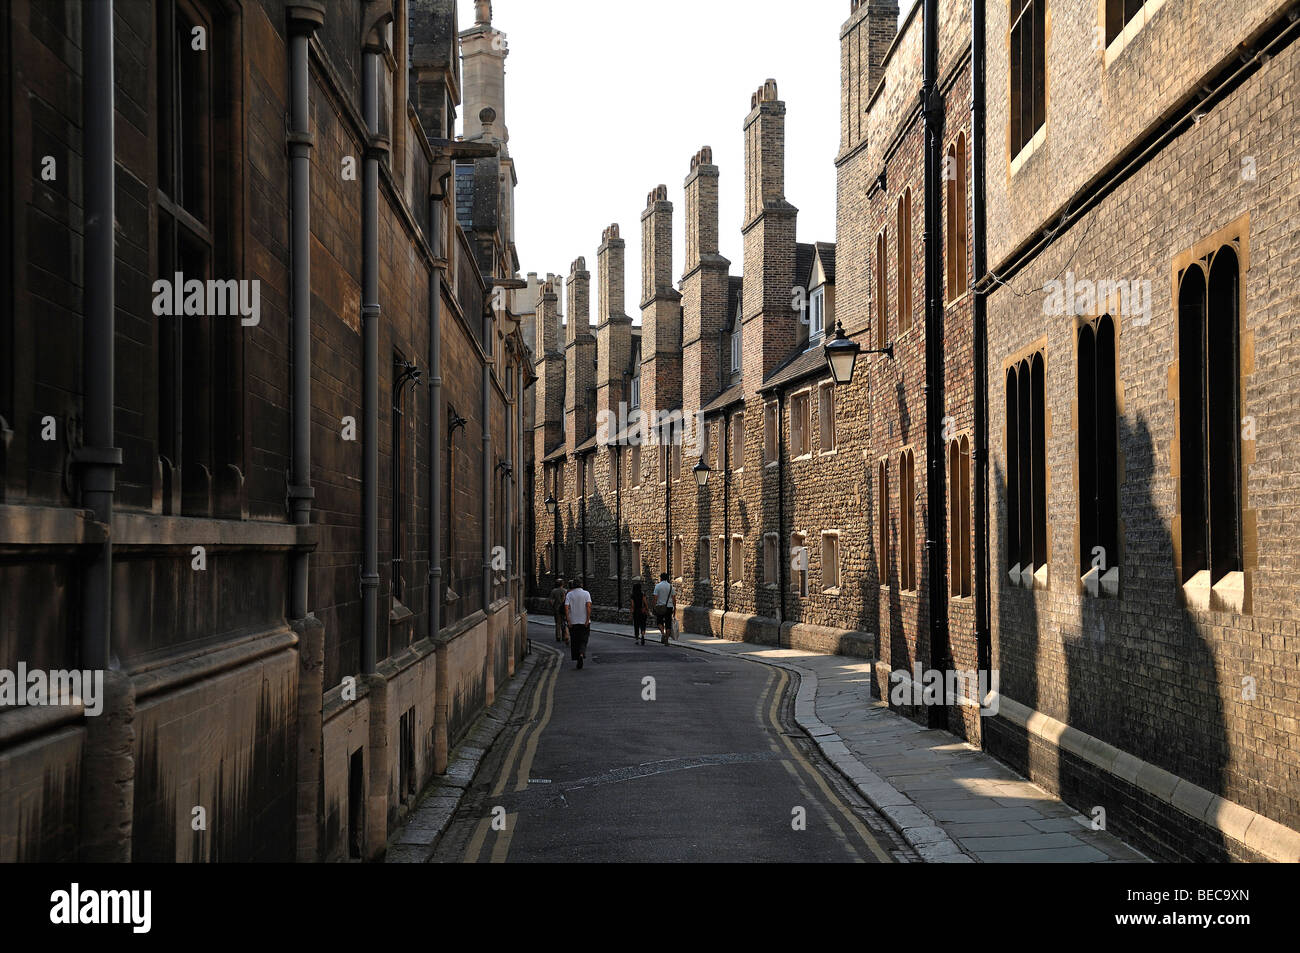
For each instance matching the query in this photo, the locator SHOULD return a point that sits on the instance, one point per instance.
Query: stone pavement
(952, 802)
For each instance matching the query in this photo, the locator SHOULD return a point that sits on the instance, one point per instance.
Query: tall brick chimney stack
(661, 311)
(864, 39)
(613, 330)
(549, 406)
(580, 359)
(704, 287)
(769, 230)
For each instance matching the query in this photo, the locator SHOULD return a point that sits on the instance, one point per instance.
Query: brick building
(287, 532)
(1021, 485)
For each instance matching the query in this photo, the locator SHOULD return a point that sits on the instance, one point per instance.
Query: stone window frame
(1097, 583)
(908, 576)
(1234, 592)
(903, 262)
(801, 398)
(591, 558)
(832, 536)
(634, 465)
(678, 566)
(737, 559)
(826, 420)
(1018, 155)
(771, 556)
(1115, 38)
(957, 222)
(704, 561)
(882, 287)
(635, 556)
(1041, 575)
(960, 534)
(613, 559)
(736, 434)
(882, 522)
(771, 436)
(800, 577)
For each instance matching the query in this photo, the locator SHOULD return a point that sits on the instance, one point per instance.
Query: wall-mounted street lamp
(550, 504)
(702, 471)
(842, 353)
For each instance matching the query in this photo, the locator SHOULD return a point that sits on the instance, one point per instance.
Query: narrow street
(591, 769)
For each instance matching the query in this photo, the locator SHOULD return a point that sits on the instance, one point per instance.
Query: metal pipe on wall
(370, 314)
(932, 108)
(485, 421)
(436, 198)
(983, 635)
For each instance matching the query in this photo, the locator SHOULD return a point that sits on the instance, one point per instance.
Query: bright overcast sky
(604, 101)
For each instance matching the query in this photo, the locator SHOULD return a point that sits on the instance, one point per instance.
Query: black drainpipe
(370, 316)
(780, 507)
(300, 137)
(726, 516)
(932, 109)
(436, 196)
(97, 457)
(618, 520)
(983, 635)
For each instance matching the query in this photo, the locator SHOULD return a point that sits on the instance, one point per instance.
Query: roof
(735, 394)
(809, 363)
(826, 252)
(559, 453)
(803, 261)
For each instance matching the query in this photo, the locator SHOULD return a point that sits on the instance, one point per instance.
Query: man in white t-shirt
(577, 612)
(664, 607)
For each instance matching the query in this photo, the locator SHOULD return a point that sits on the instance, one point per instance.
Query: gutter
(376, 147)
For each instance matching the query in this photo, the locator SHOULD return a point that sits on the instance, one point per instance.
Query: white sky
(606, 100)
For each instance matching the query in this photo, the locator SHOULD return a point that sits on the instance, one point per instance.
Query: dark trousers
(578, 635)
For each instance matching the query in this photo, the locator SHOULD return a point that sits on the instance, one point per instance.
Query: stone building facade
(247, 545)
(1123, 588)
(1141, 222)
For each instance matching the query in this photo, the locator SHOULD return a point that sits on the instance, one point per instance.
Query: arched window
(882, 292)
(906, 521)
(882, 523)
(956, 232)
(1209, 398)
(1026, 476)
(903, 240)
(959, 553)
(1098, 450)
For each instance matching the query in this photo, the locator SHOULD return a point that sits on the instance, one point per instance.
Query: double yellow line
(852, 819)
(526, 739)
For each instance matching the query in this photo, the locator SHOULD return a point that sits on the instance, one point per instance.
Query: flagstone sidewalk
(952, 802)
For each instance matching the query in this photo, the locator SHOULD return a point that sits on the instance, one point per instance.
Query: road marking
(816, 775)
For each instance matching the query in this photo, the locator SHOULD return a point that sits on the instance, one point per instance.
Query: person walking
(577, 612)
(665, 607)
(640, 613)
(557, 609)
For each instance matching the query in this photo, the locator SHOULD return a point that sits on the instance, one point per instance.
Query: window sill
(953, 302)
(833, 591)
(770, 586)
(801, 457)
(1030, 147)
(770, 464)
(829, 453)
(1097, 584)
(1226, 595)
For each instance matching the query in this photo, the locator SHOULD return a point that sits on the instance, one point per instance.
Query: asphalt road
(658, 754)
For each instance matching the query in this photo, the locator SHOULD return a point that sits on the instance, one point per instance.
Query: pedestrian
(577, 611)
(665, 606)
(640, 613)
(557, 609)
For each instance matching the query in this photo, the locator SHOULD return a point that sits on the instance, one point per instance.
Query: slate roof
(735, 394)
(826, 251)
(810, 363)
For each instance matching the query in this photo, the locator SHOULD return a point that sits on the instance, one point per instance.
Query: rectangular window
(882, 523)
(800, 425)
(678, 561)
(1098, 455)
(591, 474)
(907, 521)
(738, 441)
(635, 400)
(676, 451)
(703, 558)
(737, 343)
(771, 553)
(799, 563)
(1028, 71)
(817, 315)
(613, 561)
(737, 562)
(559, 481)
(1027, 471)
(590, 567)
(959, 530)
(770, 420)
(830, 562)
(637, 568)
(826, 415)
